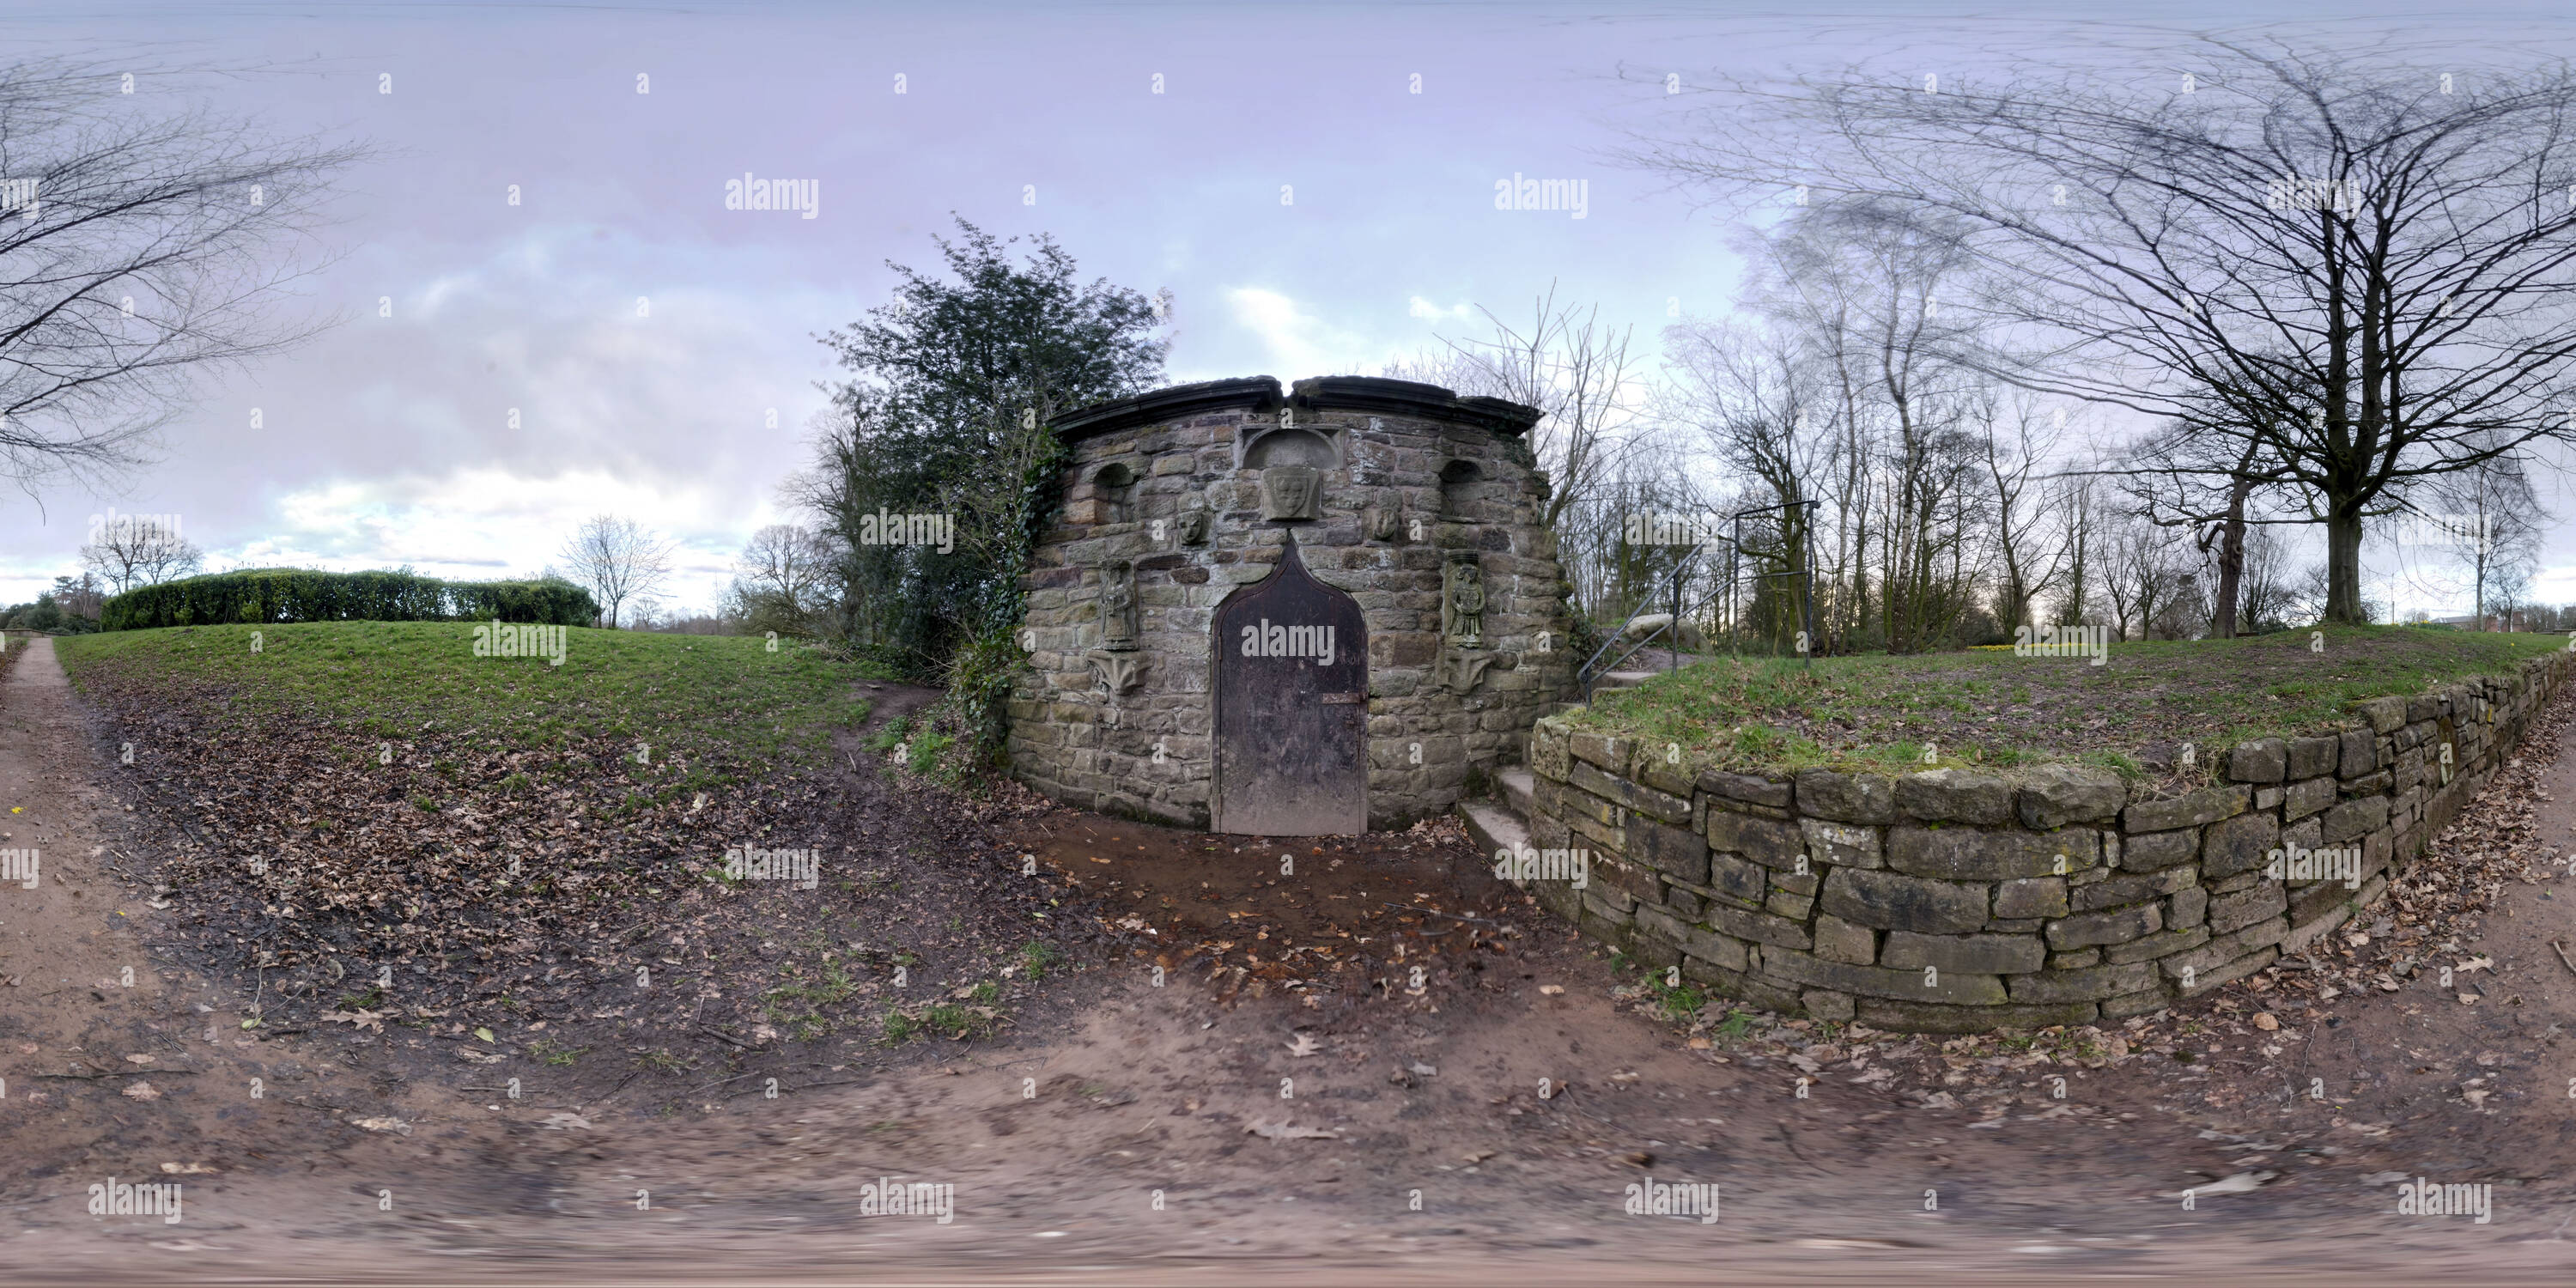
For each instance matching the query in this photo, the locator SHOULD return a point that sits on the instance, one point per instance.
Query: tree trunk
(2231, 562)
(2343, 564)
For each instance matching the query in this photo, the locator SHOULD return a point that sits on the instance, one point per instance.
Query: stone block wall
(1953, 901)
(1419, 480)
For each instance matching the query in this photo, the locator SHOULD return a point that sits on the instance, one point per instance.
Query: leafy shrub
(271, 595)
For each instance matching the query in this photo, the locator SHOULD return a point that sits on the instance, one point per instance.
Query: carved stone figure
(1118, 628)
(1291, 492)
(1192, 527)
(1462, 604)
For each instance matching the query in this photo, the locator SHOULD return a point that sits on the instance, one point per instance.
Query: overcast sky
(387, 442)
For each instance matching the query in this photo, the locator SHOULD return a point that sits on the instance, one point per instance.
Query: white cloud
(1297, 343)
(1428, 311)
(483, 522)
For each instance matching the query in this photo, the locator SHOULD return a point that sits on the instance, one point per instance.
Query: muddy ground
(1291, 1102)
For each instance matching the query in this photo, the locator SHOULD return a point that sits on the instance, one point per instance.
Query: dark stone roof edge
(1162, 406)
(1262, 393)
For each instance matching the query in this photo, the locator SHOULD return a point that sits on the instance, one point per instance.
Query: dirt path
(1121, 1147)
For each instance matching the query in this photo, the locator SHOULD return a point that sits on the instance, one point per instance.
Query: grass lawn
(1987, 706)
(706, 697)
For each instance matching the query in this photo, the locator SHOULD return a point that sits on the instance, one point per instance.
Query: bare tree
(784, 580)
(2144, 576)
(2268, 585)
(618, 560)
(1752, 398)
(2487, 520)
(2265, 227)
(2084, 554)
(131, 551)
(2031, 544)
(1571, 367)
(138, 245)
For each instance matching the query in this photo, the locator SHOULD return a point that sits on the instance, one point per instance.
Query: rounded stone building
(1298, 613)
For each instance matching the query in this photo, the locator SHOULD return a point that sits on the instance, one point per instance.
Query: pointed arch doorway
(1291, 698)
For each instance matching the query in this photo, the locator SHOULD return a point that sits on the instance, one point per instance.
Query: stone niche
(1283, 612)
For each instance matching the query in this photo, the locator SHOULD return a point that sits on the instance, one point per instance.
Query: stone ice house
(1289, 613)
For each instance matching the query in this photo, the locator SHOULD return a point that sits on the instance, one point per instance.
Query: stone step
(1623, 679)
(1492, 827)
(1560, 708)
(1517, 784)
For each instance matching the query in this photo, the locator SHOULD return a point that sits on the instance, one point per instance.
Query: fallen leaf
(382, 1124)
(1305, 1045)
(2263, 1020)
(139, 1059)
(485, 1034)
(2477, 963)
(1550, 990)
(364, 1019)
(142, 1091)
(563, 1121)
(187, 1169)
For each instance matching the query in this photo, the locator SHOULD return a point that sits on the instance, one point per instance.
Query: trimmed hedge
(266, 595)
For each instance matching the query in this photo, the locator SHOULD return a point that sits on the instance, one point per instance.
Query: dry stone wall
(1954, 900)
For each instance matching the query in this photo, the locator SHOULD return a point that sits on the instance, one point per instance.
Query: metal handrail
(1592, 670)
(1590, 673)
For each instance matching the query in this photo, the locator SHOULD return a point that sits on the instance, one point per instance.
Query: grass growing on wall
(1990, 707)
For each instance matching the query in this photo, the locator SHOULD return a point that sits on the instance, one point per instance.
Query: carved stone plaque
(1291, 492)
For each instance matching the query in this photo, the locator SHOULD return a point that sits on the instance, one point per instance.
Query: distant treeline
(265, 595)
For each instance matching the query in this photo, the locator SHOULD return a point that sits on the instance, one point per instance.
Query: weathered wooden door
(1291, 708)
